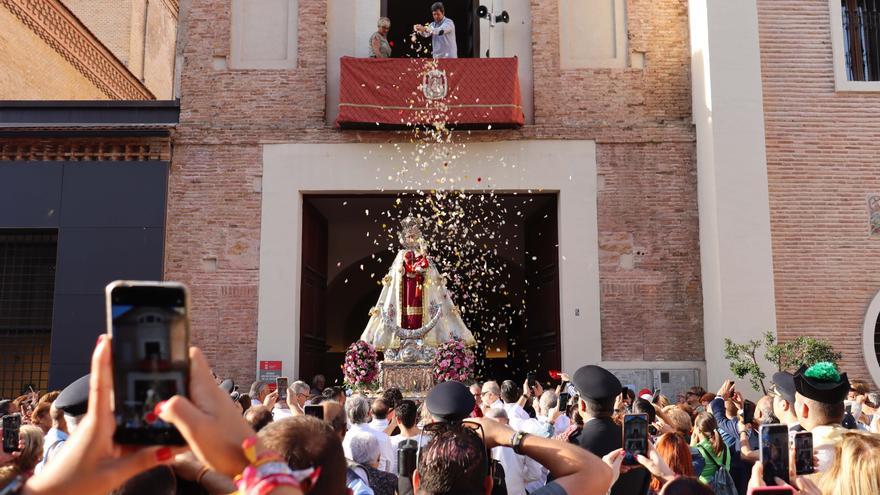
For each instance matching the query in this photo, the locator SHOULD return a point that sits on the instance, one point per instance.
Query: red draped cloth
(414, 267)
(386, 92)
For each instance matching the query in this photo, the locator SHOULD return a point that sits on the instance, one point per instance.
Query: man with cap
(783, 400)
(597, 390)
(820, 392)
(455, 460)
(73, 402)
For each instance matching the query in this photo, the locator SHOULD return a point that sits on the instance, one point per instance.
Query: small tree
(788, 356)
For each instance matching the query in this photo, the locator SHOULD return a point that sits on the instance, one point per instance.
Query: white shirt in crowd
(385, 452)
(379, 424)
(515, 414)
(498, 403)
(442, 38)
(395, 442)
(560, 425)
(519, 470)
(281, 413)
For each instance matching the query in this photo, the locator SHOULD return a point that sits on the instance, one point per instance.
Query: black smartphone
(564, 397)
(11, 425)
(281, 387)
(531, 379)
(149, 323)
(316, 410)
(803, 453)
(635, 437)
(748, 412)
(774, 452)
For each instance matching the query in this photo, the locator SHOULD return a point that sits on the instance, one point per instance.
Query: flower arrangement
(453, 361)
(361, 366)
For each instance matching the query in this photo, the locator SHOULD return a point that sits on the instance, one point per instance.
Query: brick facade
(822, 153)
(640, 119)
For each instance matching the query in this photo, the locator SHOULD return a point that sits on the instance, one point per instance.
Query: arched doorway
(871, 338)
(343, 265)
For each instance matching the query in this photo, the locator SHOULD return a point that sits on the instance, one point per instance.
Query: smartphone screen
(150, 329)
(564, 397)
(11, 425)
(748, 412)
(281, 387)
(316, 410)
(774, 452)
(635, 437)
(531, 379)
(771, 490)
(803, 452)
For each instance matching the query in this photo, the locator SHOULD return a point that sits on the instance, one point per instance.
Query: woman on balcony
(379, 46)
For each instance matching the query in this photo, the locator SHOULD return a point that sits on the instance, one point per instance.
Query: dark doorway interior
(405, 13)
(344, 262)
(27, 285)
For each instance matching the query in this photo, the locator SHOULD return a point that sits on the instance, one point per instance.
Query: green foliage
(788, 356)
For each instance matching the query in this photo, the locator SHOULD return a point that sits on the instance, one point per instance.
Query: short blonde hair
(679, 420)
(856, 467)
(384, 22)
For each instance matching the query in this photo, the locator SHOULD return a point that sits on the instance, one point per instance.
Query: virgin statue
(415, 312)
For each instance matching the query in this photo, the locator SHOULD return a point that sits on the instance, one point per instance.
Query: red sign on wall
(268, 372)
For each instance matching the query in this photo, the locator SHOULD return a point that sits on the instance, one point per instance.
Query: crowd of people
(508, 437)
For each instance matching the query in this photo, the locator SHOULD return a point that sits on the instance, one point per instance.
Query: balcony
(465, 93)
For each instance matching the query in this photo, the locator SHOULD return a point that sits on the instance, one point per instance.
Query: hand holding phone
(149, 324)
(564, 397)
(774, 452)
(635, 437)
(11, 427)
(281, 387)
(316, 410)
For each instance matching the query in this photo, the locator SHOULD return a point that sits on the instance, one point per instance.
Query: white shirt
(442, 45)
(279, 413)
(395, 443)
(519, 470)
(516, 415)
(386, 453)
(498, 403)
(560, 425)
(379, 424)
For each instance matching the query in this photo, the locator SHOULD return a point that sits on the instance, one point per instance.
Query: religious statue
(415, 312)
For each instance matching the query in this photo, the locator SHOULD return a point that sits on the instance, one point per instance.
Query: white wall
(290, 170)
(350, 24)
(735, 245)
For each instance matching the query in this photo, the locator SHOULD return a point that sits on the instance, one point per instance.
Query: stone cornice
(61, 30)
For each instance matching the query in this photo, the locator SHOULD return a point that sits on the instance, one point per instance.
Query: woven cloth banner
(396, 92)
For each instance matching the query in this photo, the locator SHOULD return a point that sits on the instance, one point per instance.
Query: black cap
(822, 383)
(74, 399)
(596, 383)
(450, 401)
(783, 382)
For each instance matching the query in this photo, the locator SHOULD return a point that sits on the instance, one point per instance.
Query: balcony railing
(403, 92)
(861, 36)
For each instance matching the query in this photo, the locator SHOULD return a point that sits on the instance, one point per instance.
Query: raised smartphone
(803, 453)
(281, 387)
(774, 452)
(564, 397)
(149, 325)
(11, 426)
(316, 410)
(635, 437)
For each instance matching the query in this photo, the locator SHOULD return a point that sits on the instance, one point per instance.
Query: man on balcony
(441, 31)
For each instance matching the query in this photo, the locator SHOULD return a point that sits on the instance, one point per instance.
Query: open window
(405, 13)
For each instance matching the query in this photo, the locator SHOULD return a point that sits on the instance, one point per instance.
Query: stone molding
(61, 30)
(85, 149)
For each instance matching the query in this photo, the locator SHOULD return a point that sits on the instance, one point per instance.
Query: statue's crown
(410, 233)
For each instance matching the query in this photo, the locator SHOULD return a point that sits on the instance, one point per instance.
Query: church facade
(693, 194)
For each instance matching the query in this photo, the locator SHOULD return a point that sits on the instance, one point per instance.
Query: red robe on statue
(411, 309)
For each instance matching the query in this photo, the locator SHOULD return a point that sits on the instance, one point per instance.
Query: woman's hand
(655, 464)
(213, 429)
(89, 461)
(614, 459)
(271, 399)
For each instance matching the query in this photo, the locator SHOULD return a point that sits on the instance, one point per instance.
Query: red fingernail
(157, 409)
(163, 454)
